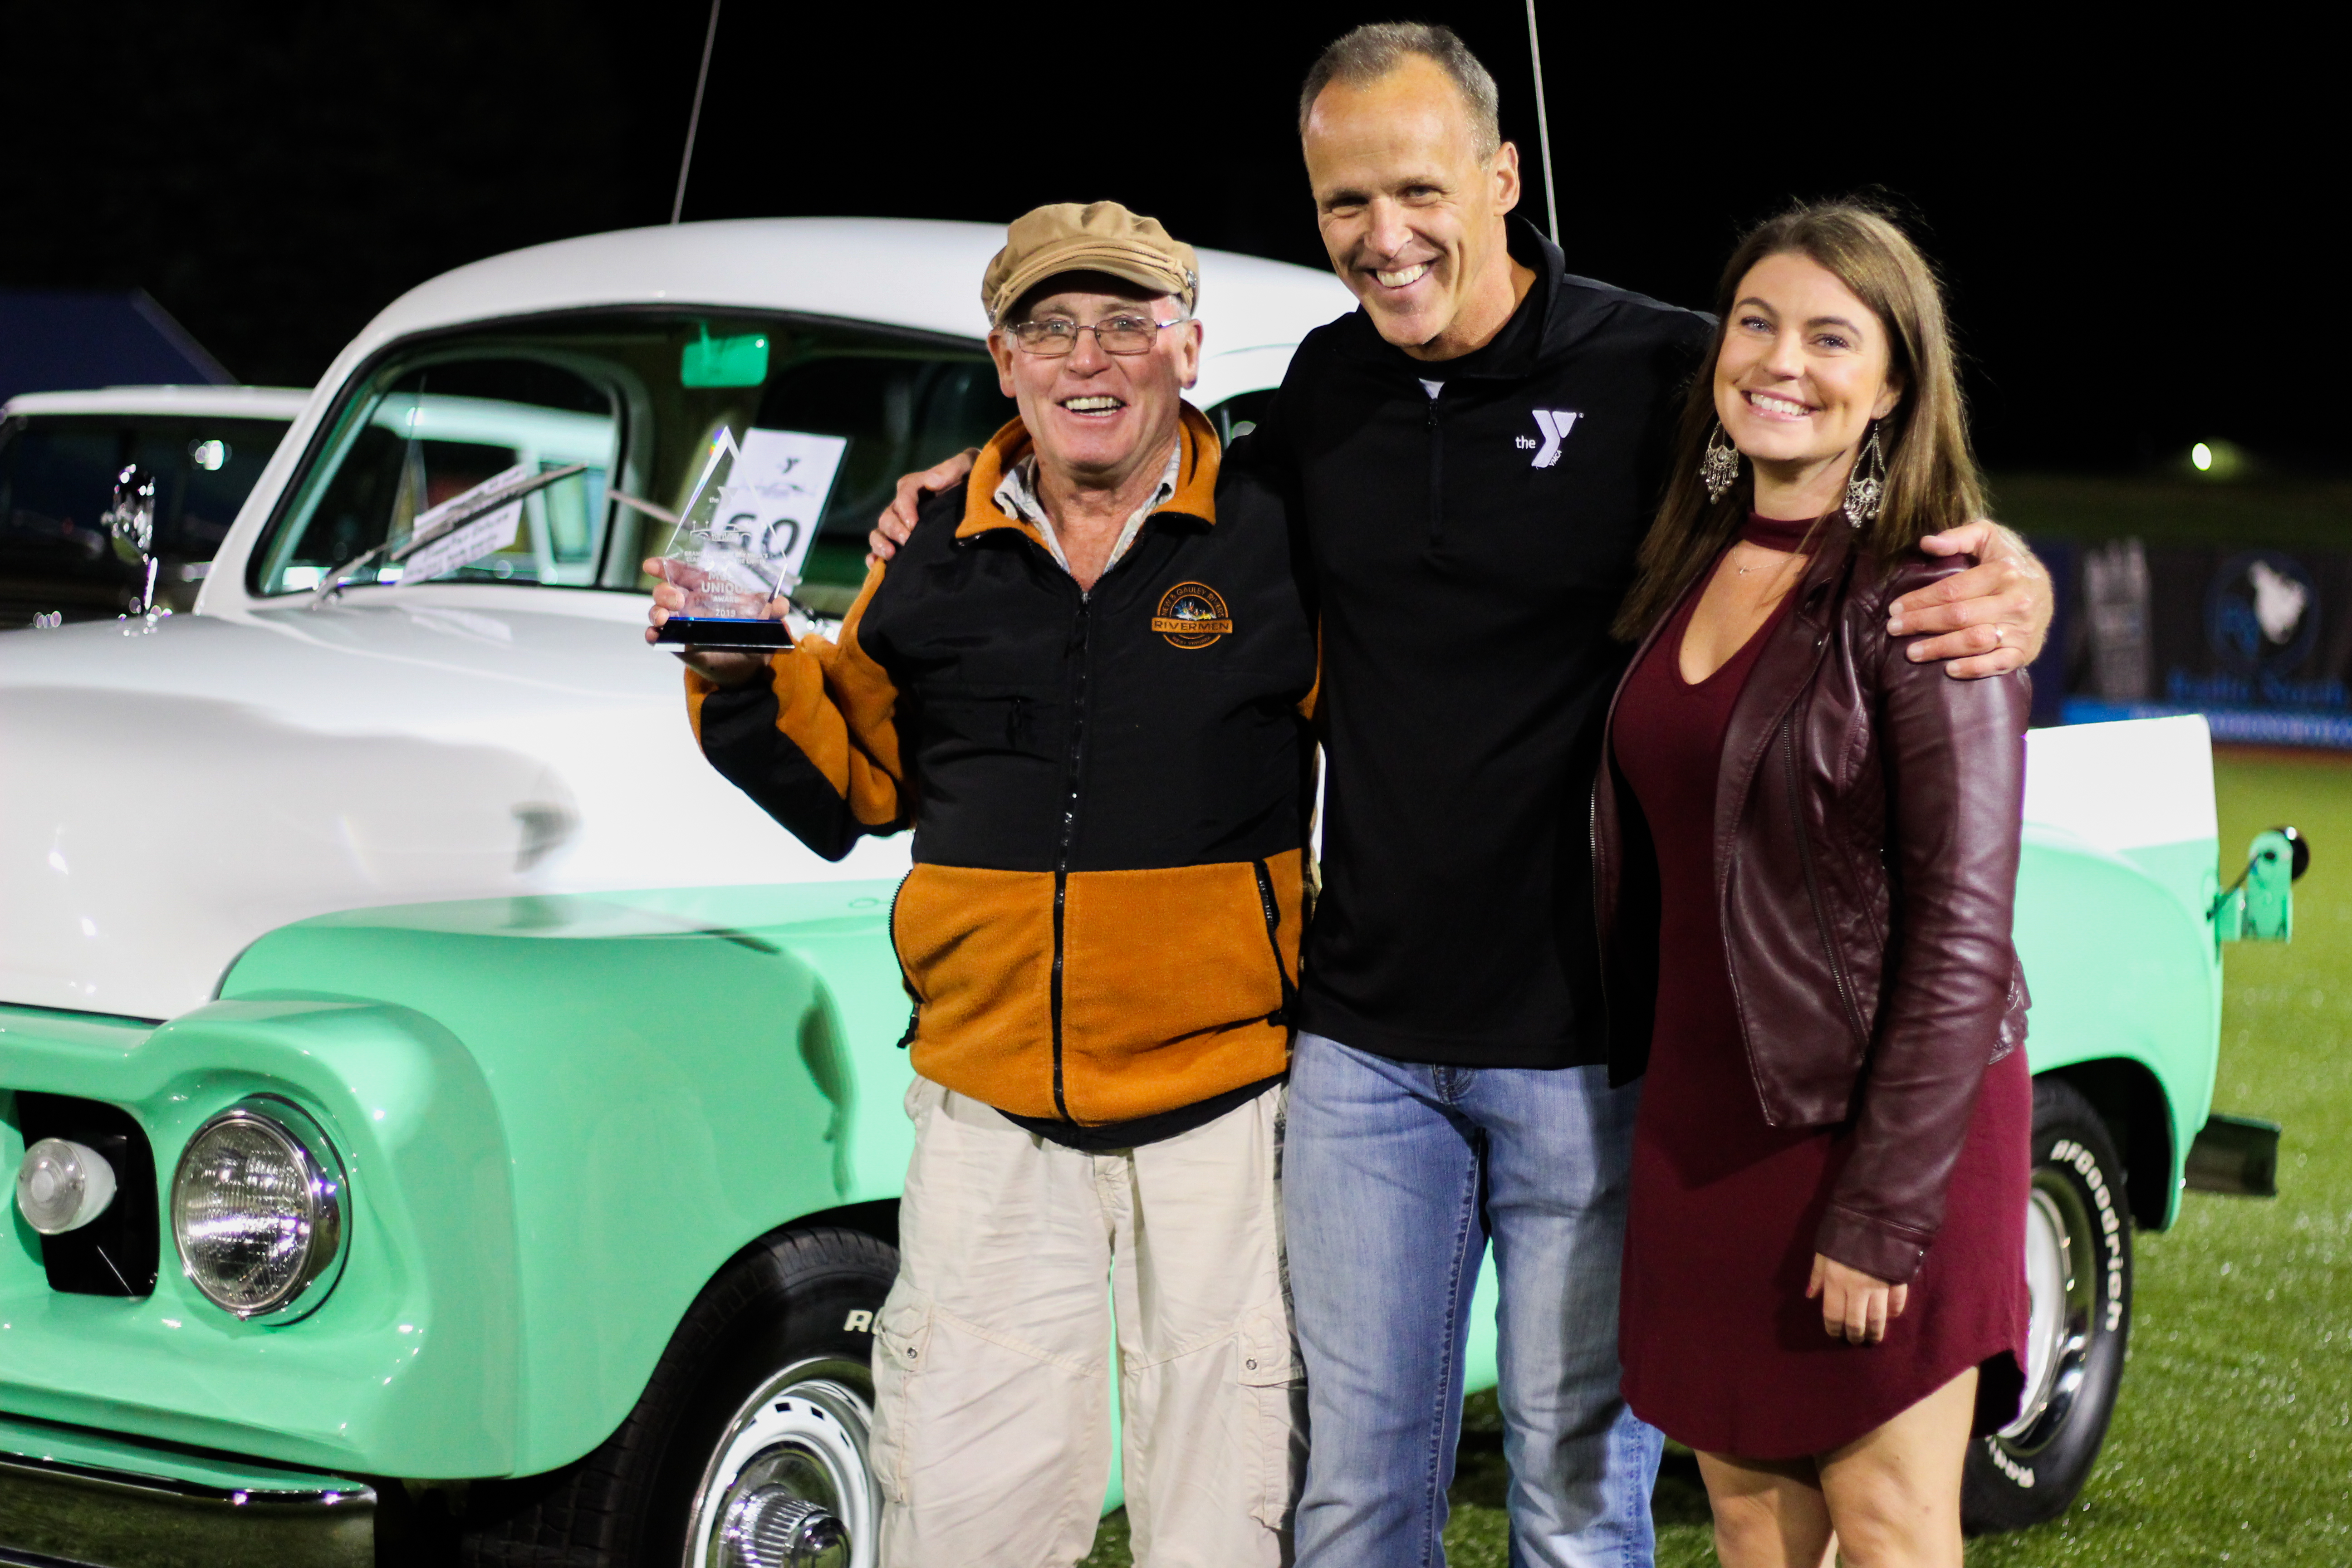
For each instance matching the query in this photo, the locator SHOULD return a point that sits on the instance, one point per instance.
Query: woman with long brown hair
(1805, 854)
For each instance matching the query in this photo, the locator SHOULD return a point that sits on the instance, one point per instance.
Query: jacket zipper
(914, 1014)
(1272, 910)
(1436, 465)
(1813, 881)
(1078, 636)
(1075, 767)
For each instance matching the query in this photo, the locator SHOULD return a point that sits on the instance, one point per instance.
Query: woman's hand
(720, 666)
(898, 519)
(1855, 1306)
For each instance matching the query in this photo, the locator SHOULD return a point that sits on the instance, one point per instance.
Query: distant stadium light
(2201, 458)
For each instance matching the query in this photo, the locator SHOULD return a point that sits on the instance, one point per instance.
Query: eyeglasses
(1053, 337)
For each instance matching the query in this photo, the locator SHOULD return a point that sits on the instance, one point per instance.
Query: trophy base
(709, 631)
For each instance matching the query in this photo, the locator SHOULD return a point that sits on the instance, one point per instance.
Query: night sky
(2137, 223)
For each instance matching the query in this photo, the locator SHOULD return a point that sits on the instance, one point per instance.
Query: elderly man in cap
(1084, 682)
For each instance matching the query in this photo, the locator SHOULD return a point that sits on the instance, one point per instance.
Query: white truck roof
(198, 402)
(911, 272)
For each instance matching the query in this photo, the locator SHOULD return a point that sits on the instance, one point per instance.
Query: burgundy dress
(1721, 1350)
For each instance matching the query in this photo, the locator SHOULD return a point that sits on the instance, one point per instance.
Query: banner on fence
(2258, 640)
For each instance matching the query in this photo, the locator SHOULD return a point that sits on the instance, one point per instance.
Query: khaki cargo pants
(992, 1436)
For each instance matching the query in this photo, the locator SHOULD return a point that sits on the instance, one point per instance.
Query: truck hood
(166, 798)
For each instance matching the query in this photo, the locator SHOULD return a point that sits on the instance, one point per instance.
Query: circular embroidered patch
(1191, 615)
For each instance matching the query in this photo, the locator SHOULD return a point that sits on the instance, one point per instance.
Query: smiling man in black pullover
(1474, 458)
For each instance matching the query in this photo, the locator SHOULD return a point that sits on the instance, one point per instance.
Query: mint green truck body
(563, 1115)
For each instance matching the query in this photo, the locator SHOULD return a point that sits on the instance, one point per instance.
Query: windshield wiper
(658, 513)
(455, 513)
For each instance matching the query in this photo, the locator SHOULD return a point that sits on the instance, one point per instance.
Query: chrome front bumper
(57, 1507)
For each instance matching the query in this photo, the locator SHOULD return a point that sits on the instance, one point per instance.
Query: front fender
(409, 1361)
(673, 1076)
(560, 1117)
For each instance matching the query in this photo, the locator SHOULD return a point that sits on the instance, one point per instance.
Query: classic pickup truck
(447, 1119)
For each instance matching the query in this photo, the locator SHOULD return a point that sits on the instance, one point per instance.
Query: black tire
(2079, 1264)
(786, 1325)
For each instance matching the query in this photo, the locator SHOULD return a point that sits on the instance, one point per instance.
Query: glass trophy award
(740, 546)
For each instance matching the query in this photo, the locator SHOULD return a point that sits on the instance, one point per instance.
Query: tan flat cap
(1099, 236)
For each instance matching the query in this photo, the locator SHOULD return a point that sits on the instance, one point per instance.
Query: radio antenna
(1543, 122)
(702, 78)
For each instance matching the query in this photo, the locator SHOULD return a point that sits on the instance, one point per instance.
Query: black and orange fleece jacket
(1109, 792)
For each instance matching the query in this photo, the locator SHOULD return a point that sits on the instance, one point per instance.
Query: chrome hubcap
(767, 1527)
(2061, 1250)
(787, 1485)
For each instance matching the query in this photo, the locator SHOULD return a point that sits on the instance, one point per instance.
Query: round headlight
(257, 1209)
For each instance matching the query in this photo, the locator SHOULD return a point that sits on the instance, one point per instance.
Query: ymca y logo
(1555, 424)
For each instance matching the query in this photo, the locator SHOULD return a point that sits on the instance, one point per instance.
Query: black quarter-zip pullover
(1470, 547)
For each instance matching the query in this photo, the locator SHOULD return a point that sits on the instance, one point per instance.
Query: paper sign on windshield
(486, 535)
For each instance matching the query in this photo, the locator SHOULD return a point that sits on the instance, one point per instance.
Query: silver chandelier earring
(1866, 487)
(1719, 469)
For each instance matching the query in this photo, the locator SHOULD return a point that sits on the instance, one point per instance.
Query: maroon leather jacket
(1867, 828)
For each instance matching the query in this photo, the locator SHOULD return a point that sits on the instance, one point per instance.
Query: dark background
(2137, 215)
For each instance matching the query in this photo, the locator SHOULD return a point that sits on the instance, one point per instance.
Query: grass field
(2232, 1441)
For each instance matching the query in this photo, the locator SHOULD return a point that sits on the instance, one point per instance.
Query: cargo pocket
(902, 1344)
(1274, 1398)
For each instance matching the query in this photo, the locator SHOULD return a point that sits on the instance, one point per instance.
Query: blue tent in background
(59, 339)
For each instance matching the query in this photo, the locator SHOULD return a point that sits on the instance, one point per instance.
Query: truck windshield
(638, 398)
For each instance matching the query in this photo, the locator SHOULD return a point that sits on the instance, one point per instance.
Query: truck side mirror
(2302, 848)
(2260, 905)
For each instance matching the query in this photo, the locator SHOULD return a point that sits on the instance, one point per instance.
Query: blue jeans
(1394, 1175)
